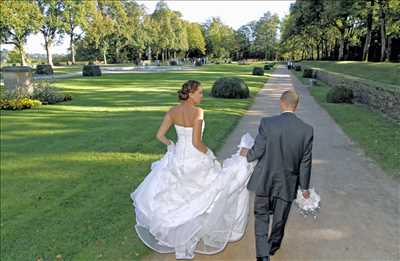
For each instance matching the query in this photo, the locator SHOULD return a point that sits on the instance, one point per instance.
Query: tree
(393, 24)
(73, 16)
(164, 31)
(342, 15)
(180, 41)
(245, 36)
(221, 38)
(134, 28)
(369, 30)
(18, 19)
(195, 37)
(266, 35)
(52, 24)
(100, 25)
(382, 22)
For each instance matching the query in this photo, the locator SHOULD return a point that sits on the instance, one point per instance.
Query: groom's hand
(243, 152)
(306, 194)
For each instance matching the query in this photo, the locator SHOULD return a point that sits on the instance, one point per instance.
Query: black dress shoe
(263, 258)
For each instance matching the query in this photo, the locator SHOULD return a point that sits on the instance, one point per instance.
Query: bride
(189, 202)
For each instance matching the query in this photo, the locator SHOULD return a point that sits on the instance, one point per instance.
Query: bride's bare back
(186, 114)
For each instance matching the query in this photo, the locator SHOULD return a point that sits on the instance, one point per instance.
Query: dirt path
(359, 218)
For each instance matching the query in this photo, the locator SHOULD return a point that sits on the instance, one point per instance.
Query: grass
(67, 170)
(377, 136)
(388, 73)
(67, 69)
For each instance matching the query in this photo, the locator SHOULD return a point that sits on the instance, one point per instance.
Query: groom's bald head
(289, 101)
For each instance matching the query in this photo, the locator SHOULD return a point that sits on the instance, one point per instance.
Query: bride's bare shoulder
(198, 112)
(175, 109)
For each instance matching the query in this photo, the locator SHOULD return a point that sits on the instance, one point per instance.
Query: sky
(232, 13)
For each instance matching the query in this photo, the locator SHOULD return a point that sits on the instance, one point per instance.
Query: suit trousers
(263, 207)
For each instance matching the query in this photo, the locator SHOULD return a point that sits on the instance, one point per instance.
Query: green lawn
(378, 136)
(67, 170)
(388, 73)
(67, 69)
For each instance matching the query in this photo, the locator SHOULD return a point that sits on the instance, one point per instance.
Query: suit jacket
(283, 147)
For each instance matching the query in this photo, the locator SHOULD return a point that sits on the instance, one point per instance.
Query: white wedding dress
(190, 203)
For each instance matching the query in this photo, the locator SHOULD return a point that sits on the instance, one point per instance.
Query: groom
(283, 148)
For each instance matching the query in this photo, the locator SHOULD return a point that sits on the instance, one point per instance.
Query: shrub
(258, 71)
(91, 70)
(45, 69)
(268, 66)
(46, 94)
(308, 73)
(230, 87)
(340, 95)
(198, 63)
(18, 104)
(173, 63)
(297, 67)
(67, 97)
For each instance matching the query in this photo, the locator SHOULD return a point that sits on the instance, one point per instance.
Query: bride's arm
(197, 129)
(164, 127)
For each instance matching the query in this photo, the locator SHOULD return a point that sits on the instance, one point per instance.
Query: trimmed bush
(48, 95)
(269, 66)
(230, 87)
(173, 63)
(340, 95)
(198, 63)
(258, 71)
(19, 104)
(308, 73)
(297, 67)
(44, 69)
(91, 70)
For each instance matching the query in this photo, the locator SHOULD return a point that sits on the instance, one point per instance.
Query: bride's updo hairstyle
(188, 87)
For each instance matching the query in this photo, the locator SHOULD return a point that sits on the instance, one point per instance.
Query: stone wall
(377, 96)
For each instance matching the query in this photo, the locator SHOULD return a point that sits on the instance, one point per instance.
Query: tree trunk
(47, 44)
(347, 53)
(149, 53)
(368, 37)
(383, 29)
(162, 55)
(389, 49)
(22, 55)
(72, 47)
(318, 51)
(312, 53)
(105, 55)
(341, 47)
(117, 56)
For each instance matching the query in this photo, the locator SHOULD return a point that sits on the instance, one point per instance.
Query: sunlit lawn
(67, 170)
(388, 73)
(78, 67)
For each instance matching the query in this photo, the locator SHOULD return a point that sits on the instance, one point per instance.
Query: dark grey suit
(283, 147)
